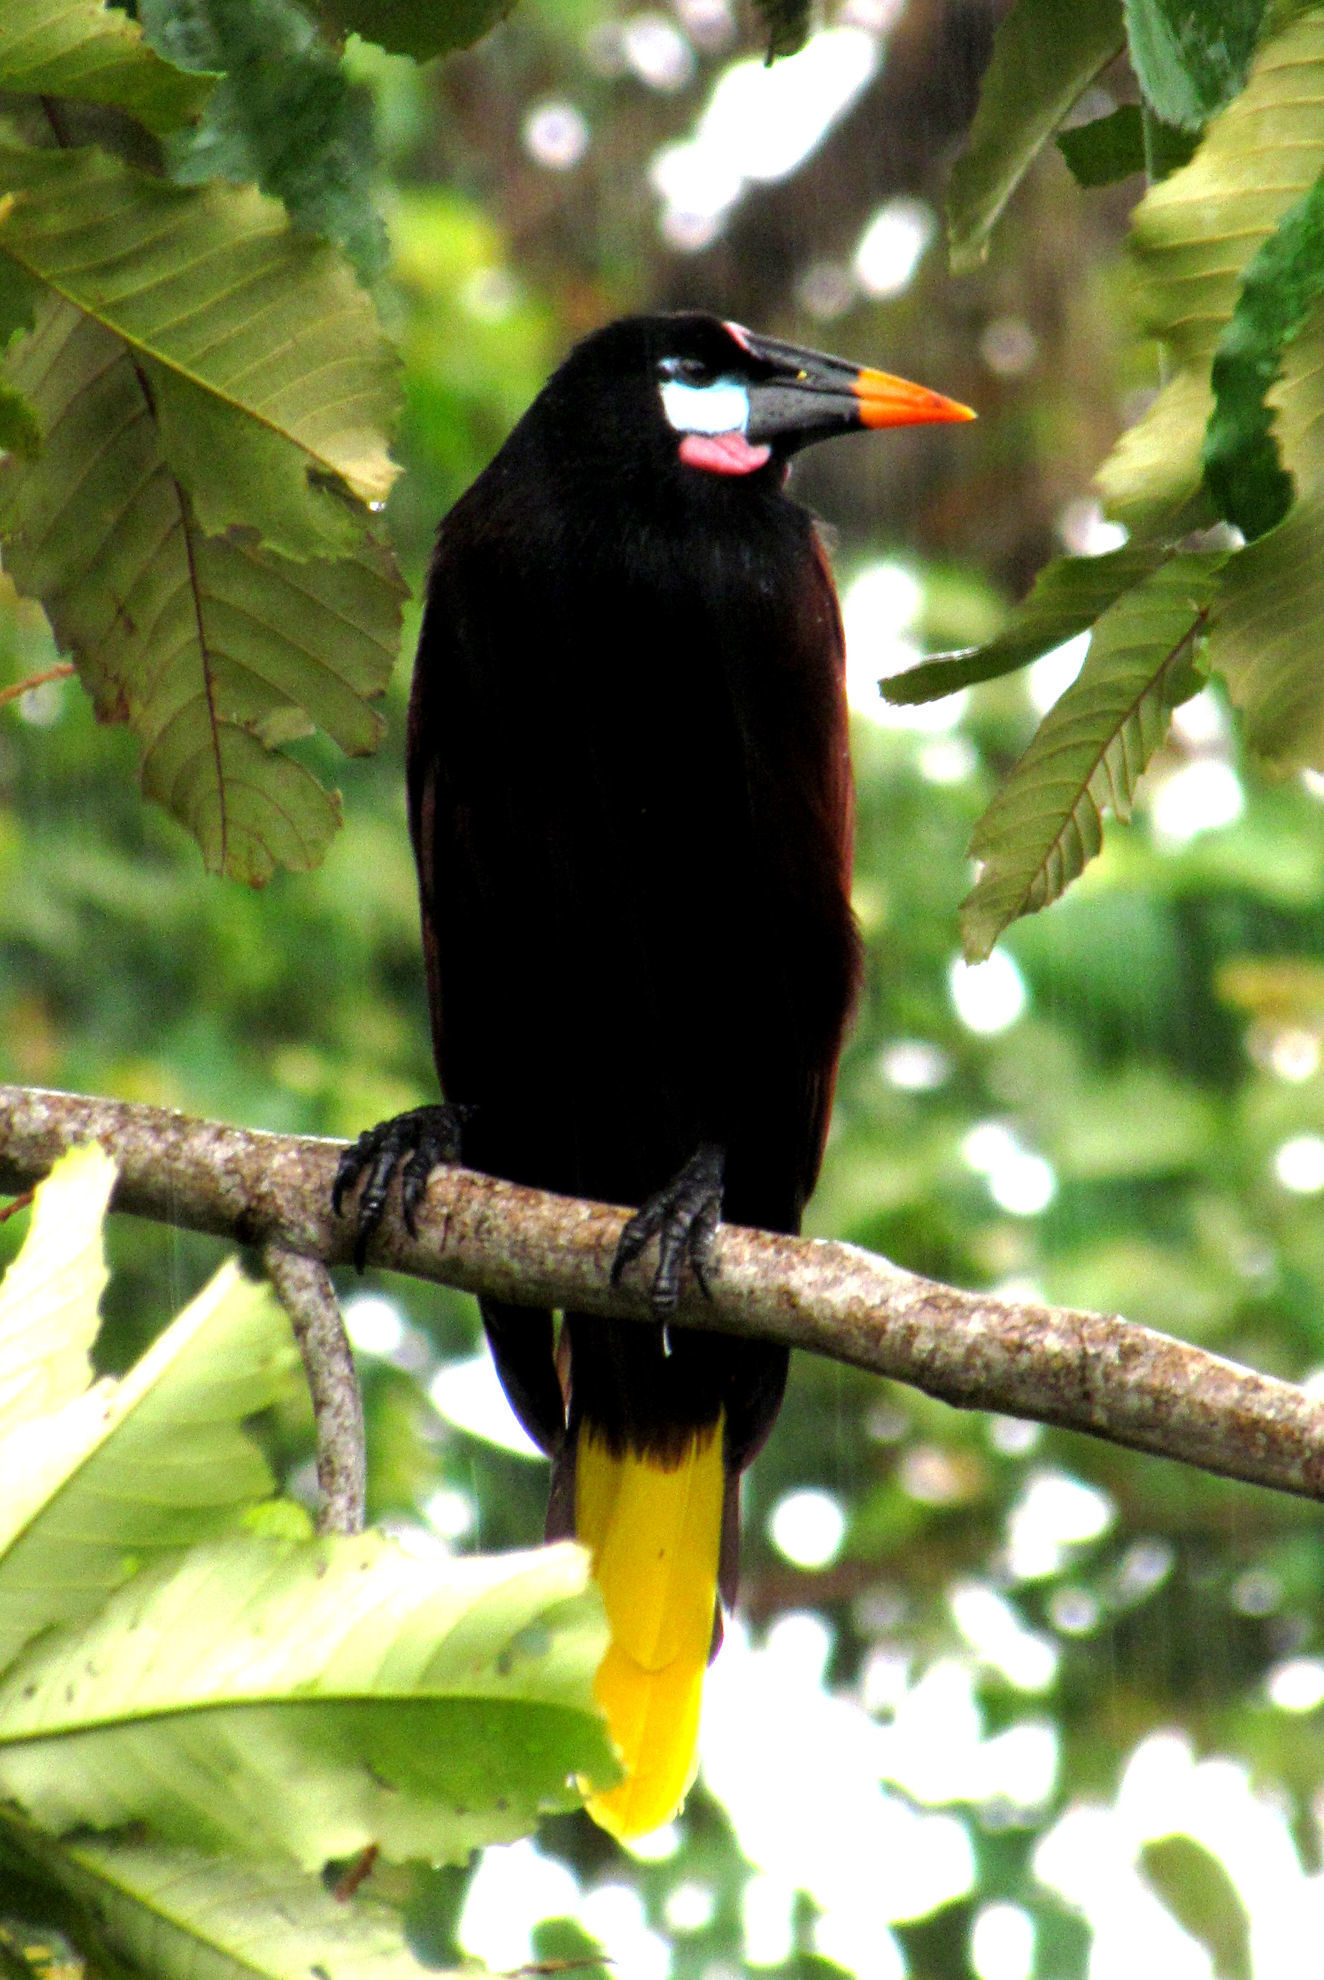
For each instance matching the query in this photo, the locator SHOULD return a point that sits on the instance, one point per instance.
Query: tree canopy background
(1000, 1702)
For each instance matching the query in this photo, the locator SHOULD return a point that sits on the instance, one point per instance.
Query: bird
(631, 808)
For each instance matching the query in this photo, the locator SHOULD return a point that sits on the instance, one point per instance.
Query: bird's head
(718, 400)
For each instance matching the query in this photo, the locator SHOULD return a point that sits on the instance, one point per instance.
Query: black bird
(631, 806)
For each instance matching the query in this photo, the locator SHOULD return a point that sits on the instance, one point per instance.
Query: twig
(1080, 1370)
(60, 672)
(303, 1286)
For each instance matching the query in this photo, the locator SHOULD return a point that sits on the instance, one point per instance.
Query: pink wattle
(723, 453)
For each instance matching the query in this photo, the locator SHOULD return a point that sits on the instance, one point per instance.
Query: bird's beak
(807, 396)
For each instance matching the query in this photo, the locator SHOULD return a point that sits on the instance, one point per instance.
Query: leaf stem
(303, 1286)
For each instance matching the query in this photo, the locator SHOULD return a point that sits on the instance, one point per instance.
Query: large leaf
(1267, 631)
(49, 1297)
(1192, 239)
(1046, 822)
(177, 1915)
(95, 53)
(124, 1471)
(214, 649)
(1191, 57)
(1241, 464)
(421, 28)
(300, 1700)
(1067, 598)
(1045, 54)
(284, 116)
(214, 286)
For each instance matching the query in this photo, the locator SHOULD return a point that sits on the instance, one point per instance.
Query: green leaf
(1267, 631)
(214, 650)
(1241, 464)
(284, 115)
(1046, 823)
(1192, 239)
(180, 1916)
(50, 1296)
(1045, 54)
(421, 28)
(1108, 149)
(300, 1700)
(1067, 598)
(127, 1470)
(20, 430)
(1191, 57)
(96, 54)
(1197, 1890)
(193, 279)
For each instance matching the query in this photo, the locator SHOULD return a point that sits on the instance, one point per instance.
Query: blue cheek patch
(722, 407)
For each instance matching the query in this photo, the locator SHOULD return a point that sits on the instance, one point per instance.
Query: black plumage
(630, 801)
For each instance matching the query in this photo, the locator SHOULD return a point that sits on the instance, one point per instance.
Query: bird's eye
(690, 370)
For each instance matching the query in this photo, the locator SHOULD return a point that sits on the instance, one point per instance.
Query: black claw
(427, 1136)
(684, 1218)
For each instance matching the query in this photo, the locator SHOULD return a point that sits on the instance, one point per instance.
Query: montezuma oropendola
(631, 805)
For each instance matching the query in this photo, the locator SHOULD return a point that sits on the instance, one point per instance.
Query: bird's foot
(683, 1218)
(419, 1140)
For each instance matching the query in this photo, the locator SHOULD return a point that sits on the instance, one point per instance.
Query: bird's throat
(723, 453)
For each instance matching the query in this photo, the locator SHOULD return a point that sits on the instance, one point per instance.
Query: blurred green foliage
(1140, 1133)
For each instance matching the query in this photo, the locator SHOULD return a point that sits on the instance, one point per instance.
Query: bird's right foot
(420, 1140)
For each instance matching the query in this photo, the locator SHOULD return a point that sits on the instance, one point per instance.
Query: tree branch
(1080, 1370)
(303, 1286)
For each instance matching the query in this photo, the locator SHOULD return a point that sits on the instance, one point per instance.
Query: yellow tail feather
(655, 1534)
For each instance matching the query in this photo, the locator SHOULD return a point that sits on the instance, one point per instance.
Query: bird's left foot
(683, 1218)
(420, 1141)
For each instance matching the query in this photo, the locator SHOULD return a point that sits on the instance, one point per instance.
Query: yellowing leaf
(1267, 628)
(1192, 238)
(50, 1296)
(131, 1469)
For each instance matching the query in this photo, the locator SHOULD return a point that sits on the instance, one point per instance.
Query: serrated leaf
(50, 1296)
(1066, 599)
(1241, 462)
(95, 54)
(1192, 239)
(1267, 628)
(194, 278)
(300, 1700)
(421, 28)
(1198, 1891)
(1107, 149)
(1190, 57)
(1045, 54)
(177, 1915)
(1046, 823)
(213, 649)
(129, 1469)
(284, 116)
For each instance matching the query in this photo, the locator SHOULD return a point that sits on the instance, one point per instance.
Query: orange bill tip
(888, 401)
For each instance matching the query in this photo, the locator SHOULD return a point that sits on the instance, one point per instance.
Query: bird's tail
(654, 1528)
